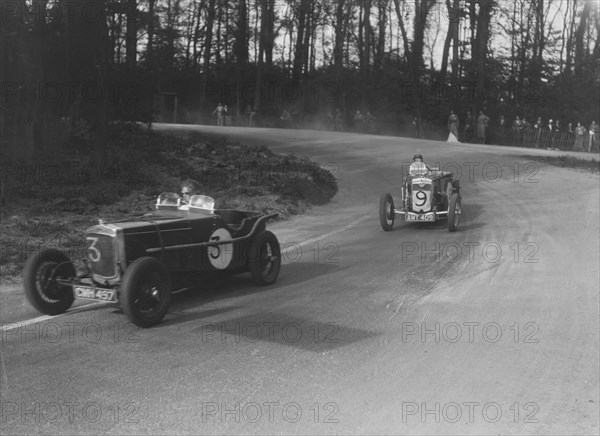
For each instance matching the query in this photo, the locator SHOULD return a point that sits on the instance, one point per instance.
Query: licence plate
(91, 293)
(420, 217)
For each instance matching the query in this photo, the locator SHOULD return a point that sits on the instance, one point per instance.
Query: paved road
(489, 330)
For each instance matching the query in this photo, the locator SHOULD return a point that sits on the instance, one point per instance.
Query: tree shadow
(282, 329)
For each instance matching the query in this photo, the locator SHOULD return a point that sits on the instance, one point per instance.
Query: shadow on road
(307, 334)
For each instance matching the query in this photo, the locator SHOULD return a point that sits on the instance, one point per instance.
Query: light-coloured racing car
(427, 195)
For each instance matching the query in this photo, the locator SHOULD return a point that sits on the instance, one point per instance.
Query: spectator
(227, 115)
(527, 132)
(482, 123)
(219, 110)
(569, 137)
(594, 131)
(358, 121)
(415, 127)
(286, 119)
(557, 137)
(329, 121)
(370, 122)
(339, 119)
(503, 125)
(537, 132)
(549, 134)
(453, 125)
(517, 131)
(468, 129)
(579, 137)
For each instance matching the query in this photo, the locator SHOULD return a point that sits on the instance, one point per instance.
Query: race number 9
(422, 197)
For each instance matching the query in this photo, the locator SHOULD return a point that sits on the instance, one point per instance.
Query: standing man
(468, 131)
(517, 130)
(482, 123)
(219, 110)
(538, 132)
(594, 131)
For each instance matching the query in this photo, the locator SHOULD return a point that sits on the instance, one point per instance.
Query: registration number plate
(91, 293)
(420, 217)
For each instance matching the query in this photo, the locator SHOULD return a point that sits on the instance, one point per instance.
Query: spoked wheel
(264, 258)
(42, 276)
(386, 212)
(146, 292)
(454, 212)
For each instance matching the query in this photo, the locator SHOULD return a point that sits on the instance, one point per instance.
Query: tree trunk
(569, 60)
(338, 48)
(414, 53)
(269, 32)
(262, 41)
(447, 42)
(210, 17)
(150, 46)
(300, 47)
(483, 36)
(579, 36)
(101, 48)
(365, 58)
(131, 35)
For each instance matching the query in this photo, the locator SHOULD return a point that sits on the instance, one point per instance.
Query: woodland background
(71, 69)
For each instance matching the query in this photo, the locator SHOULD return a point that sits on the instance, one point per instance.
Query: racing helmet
(418, 156)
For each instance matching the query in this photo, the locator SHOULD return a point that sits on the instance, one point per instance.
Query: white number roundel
(220, 256)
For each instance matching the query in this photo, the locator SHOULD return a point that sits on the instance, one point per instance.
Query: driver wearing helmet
(418, 167)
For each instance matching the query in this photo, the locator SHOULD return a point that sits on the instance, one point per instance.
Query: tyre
(146, 292)
(454, 212)
(40, 280)
(264, 258)
(386, 212)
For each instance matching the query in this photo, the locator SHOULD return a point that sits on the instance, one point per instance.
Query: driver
(418, 167)
(186, 191)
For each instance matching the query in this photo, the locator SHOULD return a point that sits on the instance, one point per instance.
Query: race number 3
(93, 252)
(220, 256)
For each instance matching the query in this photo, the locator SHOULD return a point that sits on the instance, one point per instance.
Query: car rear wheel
(386, 212)
(42, 275)
(146, 292)
(264, 258)
(454, 212)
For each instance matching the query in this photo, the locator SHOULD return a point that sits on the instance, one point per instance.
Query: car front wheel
(42, 276)
(386, 212)
(146, 292)
(454, 212)
(264, 258)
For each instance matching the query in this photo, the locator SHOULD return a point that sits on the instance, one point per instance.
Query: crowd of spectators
(474, 128)
(551, 134)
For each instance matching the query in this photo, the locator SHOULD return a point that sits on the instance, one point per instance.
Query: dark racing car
(135, 262)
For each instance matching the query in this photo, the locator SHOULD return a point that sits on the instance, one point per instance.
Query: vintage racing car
(136, 261)
(427, 195)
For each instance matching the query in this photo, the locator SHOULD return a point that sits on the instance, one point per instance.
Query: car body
(427, 195)
(136, 261)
